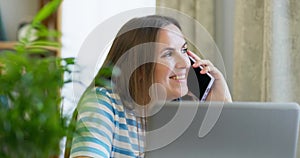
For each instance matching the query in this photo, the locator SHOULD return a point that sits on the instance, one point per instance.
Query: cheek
(188, 63)
(187, 60)
(161, 73)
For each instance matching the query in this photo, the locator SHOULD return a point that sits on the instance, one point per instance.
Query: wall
(14, 12)
(79, 22)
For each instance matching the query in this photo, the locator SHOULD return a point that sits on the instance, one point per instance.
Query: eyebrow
(172, 49)
(185, 43)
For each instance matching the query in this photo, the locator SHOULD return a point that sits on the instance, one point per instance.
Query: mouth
(177, 77)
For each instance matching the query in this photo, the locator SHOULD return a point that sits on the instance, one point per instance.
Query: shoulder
(95, 93)
(108, 93)
(98, 99)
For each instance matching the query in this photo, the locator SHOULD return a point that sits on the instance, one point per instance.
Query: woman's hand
(219, 90)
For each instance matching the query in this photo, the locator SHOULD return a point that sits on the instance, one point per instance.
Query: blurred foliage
(103, 78)
(31, 124)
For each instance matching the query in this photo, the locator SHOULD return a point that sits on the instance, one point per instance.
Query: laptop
(215, 130)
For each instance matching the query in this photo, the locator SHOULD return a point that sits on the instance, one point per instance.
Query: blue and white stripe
(104, 128)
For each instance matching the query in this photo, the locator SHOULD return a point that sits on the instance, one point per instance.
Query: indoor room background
(258, 39)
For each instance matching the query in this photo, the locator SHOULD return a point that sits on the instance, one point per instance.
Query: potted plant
(31, 124)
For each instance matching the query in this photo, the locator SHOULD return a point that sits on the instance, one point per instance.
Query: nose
(182, 61)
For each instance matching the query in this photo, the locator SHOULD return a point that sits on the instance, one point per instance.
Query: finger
(213, 71)
(203, 63)
(193, 55)
(206, 63)
(207, 69)
(199, 61)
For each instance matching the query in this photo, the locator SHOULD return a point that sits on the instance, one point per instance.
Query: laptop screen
(237, 130)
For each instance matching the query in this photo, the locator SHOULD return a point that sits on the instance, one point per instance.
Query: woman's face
(173, 63)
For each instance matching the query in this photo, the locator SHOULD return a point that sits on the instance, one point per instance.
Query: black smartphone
(204, 81)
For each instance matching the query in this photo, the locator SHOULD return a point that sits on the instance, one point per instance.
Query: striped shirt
(105, 128)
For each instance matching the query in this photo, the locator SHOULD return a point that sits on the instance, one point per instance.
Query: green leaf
(37, 51)
(45, 43)
(30, 95)
(69, 61)
(48, 33)
(46, 11)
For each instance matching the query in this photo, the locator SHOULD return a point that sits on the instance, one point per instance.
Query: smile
(180, 77)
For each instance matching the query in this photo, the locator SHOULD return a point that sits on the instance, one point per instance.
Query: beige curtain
(266, 56)
(201, 10)
(266, 48)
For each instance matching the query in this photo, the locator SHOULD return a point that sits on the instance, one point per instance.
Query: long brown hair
(133, 46)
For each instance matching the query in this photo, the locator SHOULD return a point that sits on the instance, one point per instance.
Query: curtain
(266, 50)
(266, 45)
(201, 10)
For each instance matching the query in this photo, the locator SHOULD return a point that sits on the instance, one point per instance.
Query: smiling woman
(150, 60)
(173, 63)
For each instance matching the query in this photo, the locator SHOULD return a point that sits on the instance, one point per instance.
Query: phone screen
(199, 84)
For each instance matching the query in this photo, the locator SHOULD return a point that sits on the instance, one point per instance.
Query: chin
(179, 93)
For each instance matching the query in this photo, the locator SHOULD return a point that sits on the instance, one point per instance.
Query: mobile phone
(204, 81)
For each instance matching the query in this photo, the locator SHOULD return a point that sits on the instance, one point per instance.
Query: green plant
(31, 124)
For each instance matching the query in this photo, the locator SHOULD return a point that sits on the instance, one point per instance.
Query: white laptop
(242, 130)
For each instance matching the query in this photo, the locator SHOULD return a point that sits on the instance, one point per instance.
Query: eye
(167, 54)
(184, 50)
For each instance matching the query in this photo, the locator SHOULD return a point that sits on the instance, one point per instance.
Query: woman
(150, 53)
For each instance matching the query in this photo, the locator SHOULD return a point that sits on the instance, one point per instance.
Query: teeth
(179, 77)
